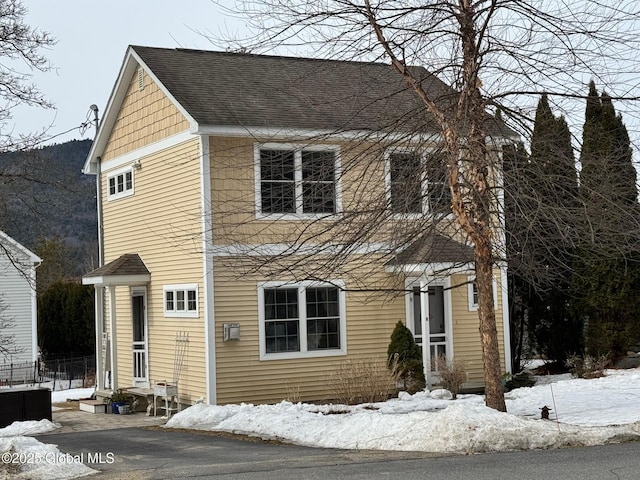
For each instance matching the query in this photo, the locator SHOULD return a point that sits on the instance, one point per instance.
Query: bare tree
(20, 48)
(8, 346)
(494, 53)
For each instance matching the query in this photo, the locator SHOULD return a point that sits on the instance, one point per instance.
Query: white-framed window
(180, 300)
(416, 182)
(299, 320)
(472, 292)
(295, 180)
(120, 183)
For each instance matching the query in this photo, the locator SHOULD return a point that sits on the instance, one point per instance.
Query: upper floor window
(120, 183)
(296, 180)
(405, 182)
(417, 183)
(180, 300)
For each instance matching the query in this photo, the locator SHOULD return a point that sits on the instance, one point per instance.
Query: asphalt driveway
(157, 453)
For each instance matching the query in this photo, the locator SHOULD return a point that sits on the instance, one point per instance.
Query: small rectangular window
(472, 292)
(181, 301)
(120, 184)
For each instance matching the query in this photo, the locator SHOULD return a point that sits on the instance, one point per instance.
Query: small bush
(587, 366)
(405, 359)
(362, 380)
(522, 379)
(453, 374)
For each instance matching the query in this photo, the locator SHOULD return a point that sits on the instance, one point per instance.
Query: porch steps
(92, 406)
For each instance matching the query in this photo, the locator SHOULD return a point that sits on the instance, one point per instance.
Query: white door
(430, 302)
(139, 344)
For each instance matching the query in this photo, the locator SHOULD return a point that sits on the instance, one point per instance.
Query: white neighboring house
(18, 303)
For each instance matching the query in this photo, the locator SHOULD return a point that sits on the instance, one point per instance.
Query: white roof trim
(10, 242)
(116, 280)
(448, 268)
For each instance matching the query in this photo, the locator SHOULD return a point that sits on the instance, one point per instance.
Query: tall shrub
(405, 356)
(66, 320)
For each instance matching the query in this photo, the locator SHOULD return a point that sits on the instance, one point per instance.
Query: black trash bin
(20, 404)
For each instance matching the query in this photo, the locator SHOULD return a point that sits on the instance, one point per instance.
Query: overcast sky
(92, 38)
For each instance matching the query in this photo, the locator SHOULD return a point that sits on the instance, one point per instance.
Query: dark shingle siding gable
(259, 91)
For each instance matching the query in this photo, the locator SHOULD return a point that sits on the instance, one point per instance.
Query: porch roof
(127, 269)
(432, 248)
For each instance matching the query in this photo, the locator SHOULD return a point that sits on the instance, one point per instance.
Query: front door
(139, 344)
(433, 304)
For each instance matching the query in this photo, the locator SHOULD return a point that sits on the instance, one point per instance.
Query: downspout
(99, 291)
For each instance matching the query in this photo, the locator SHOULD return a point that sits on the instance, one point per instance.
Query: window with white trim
(472, 292)
(296, 180)
(120, 184)
(180, 300)
(301, 320)
(417, 183)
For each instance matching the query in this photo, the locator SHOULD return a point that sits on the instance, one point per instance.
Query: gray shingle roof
(433, 248)
(127, 264)
(232, 89)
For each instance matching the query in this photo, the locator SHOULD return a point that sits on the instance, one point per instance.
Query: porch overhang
(432, 253)
(126, 270)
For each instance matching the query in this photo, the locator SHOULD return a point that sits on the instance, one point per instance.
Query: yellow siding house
(264, 219)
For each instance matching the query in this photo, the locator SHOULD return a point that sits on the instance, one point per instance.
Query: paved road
(147, 453)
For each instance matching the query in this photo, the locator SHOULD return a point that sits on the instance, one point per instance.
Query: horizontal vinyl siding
(466, 334)
(242, 377)
(16, 295)
(161, 223)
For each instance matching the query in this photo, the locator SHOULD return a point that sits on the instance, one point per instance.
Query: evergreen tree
(405, 356)
(547, 238)
(607, 277)
(65, 320)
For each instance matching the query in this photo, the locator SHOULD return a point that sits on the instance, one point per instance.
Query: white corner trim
(34, 314)
(504, 288)
(207, 274)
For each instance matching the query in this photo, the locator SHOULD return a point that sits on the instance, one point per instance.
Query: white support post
(114, 337)
(99, 324)
(426, 338)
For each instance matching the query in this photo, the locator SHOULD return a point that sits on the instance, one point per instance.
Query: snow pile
(73, 394)
(35, 460)
(31, 427)
(589, 412)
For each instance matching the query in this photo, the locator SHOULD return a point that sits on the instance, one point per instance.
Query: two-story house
(282, 214)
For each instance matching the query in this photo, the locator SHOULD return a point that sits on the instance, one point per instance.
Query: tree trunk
(494, 390)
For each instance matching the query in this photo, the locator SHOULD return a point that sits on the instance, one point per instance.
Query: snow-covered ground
(583, 412)
(23, 457)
